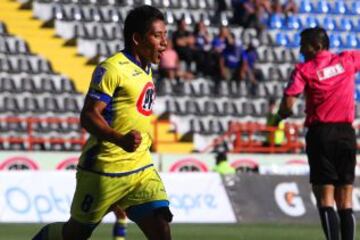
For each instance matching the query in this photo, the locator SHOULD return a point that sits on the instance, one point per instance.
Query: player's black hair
(316, 36)
(139, 20)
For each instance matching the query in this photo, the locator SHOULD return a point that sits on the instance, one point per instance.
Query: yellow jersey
(129, 93)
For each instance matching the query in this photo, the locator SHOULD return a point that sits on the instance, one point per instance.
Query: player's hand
(130, 141)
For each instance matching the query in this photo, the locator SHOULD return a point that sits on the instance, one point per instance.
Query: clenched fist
(130, 141)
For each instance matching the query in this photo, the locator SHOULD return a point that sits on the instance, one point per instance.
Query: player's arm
(92, 120)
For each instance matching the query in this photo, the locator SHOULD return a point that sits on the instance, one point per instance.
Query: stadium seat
(329, 23)
(212, 108)
(311, 21)
(339, 7)
(260, 107)
(335, 41)
(195, 107)
(7, 85)
(276, 21)
(11, 104)
(170, 18)
(293, 22)
(355, 7)
(294, 41)
(200, 88)
(345, 25)
(52, 104)
(27, 84)
(306, 6)
(322, 7)
(351, 41)
(281, 39)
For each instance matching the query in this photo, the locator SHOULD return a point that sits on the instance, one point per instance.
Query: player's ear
(136, 39)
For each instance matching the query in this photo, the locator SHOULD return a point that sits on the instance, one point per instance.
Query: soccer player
(328, 82)
(115, 168)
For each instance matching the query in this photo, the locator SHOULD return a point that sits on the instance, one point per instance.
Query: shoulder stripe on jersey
(99, 96)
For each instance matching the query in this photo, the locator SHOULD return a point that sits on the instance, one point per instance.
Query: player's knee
(164, 213)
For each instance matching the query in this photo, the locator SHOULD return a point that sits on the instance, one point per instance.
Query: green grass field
(191, 232)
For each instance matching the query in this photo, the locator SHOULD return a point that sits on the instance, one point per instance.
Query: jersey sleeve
(356, 59)
(105, 80)
(296, 83)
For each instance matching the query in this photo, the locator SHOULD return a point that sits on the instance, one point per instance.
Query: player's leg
(51, 231)
(153, 219)
(94, 194)
(148, 205)
(119, 228)
(325, 201)
(71, 230)
(156, 225)
(343, 198)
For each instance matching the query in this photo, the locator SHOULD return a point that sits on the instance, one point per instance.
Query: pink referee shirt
(328, 81)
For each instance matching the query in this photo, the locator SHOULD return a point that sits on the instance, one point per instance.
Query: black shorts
(331, 151)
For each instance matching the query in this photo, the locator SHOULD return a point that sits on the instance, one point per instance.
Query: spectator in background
(284, 7)
(290, 7)
(183, 42)
(230, 60)
(248, 73)
(202, 47)
(250, 13)
(222, 165)
(219, 44)
(169, 65)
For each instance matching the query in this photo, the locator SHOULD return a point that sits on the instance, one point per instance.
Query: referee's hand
(275, 120)
(130, 141)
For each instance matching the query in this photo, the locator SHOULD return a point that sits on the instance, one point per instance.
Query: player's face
(154, 43)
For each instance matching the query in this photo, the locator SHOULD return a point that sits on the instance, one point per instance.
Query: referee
(328, 81)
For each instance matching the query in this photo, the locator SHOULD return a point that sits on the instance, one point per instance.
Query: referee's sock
(329, 222)
(347, 224)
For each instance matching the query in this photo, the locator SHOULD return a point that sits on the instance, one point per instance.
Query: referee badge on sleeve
(98, 75)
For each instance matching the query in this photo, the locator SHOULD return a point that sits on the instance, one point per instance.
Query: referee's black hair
(317, 37)
(139, 20)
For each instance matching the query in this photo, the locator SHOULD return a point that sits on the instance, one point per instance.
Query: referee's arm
(286, 105)
(285, 109)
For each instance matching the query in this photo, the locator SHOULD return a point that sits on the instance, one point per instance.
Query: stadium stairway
(166, 140)
(43, 41)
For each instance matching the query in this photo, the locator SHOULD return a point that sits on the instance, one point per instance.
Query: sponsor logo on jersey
(330, 72)
(136, 73)
(123, 62)
(146, 100)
